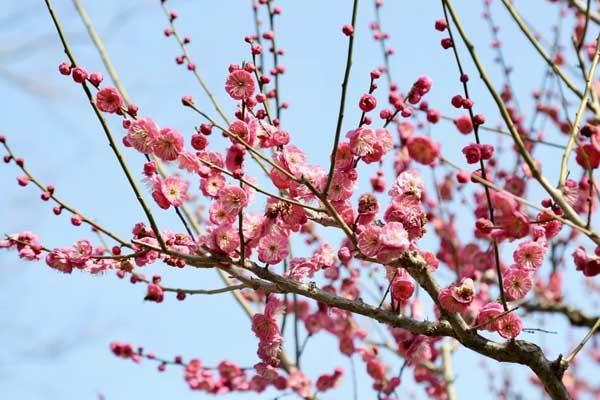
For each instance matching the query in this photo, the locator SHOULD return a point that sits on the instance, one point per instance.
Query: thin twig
(488, 197)
(340, 118)
(106, 129)
(579, 346)
(578, 116)
(531, 37)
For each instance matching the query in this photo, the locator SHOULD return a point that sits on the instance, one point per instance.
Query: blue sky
(57, 328)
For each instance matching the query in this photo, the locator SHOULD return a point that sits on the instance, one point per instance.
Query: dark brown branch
(575, 316)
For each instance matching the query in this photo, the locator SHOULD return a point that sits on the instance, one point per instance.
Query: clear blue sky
(56, 328)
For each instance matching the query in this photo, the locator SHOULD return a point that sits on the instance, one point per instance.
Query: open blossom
(324, 257)
(422, 149)
(212, 157)
(264, 326)
(188, 162)
(212, 185)
(517, 283)
(289, 216)
(299, 383)
(168, 144)
(395, 241)
(551, 226)
(487, 316)
(218, 215)
(233, 199)
(515, 225)
(369, 241)
(408, 182)
(530, 255)
(141, 134)
(362, 141)
(383, 143)
(509, 326)
(292, 159)
(342, 186)
(273, 248)
(417, 349)
(240, 85)
(457, 298)
(234, 160)
(27, 243)
(109, 100)
(147, 257)
(394, 235)
(264, 131)
(80, 253)
(301, 268)
(226, 238)
(344, 157)
(406, 209)
(171, 191)
(370, 144)
(59, 260)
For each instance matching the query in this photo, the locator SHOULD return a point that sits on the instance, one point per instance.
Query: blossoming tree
(495, 264)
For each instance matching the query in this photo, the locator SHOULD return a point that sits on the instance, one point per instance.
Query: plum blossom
(226, 238)
(27, 243)
(408, 183)
(362, 141)
(329, 381)
(407, 210)
(464, 124)
(171, 191)
(142, 133)
(189, 162)
(168, 144)
(266, 329)
(589, 265)
(243, 131)
(212, 185)
(240, 85)
(402, 288)
(59, 260)
(369, 241)
(423, 150)
(517, 282)
(487, 316)
(395, 241)
(80, 253)
(109, 100)
(382, 145)
(530, 254)
(509, 326)
(457, 298)
(301, 268)
(233, 199)
(273, 248)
